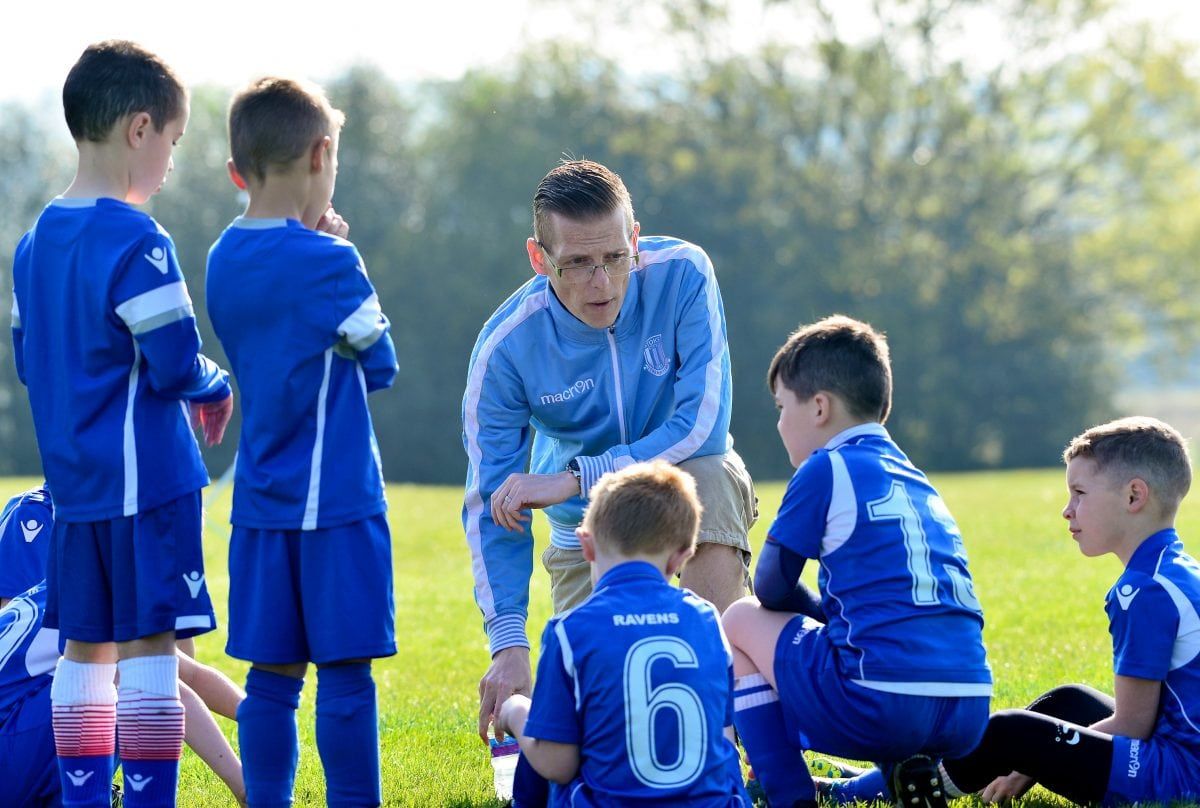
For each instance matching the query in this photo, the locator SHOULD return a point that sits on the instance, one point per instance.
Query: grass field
(1043, 601)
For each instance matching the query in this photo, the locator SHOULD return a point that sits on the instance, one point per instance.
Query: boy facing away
(310, 567)
(105, 340)
(893, 666)
(1125, 481)
(633, 703)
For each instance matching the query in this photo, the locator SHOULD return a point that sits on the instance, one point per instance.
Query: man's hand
(1009, 787)
(333, 224)
(521, 491)
(213, 416)
(508, 674)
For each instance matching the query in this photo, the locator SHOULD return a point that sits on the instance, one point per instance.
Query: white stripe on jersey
(843, 507)
(568, 660)
(1187, 636)
(129, 442)
(314, 479)
(155, 308)
(16, 312)
(365, 325)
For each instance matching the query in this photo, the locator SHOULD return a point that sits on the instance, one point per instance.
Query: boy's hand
(333, 224)
(512, 716)
(213, 416)
(1009, 787)
(509, 674)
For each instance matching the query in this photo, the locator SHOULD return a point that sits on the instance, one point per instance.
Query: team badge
(657, 361)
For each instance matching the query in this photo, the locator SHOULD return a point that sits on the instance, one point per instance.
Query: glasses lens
(620, 266)
(577, 274)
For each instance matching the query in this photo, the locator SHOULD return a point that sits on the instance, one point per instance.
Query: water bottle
(504, 764)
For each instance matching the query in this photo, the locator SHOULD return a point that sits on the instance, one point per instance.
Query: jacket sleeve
(497, 438)
(150, 297)
(361, 326)
(702, 389)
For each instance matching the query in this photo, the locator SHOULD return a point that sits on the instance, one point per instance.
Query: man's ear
(140, 125)
(319, 153)
(537, 258)
(1138, 495)
(234, 175)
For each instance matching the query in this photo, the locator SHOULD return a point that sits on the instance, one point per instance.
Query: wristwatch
(573, 467)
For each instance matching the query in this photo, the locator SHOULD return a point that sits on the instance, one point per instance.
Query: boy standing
(896, 669)
(310, 568)
(1125, 480)
(106, 342)
(633, 693)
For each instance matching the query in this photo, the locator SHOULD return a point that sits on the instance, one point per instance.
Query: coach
(614, 352)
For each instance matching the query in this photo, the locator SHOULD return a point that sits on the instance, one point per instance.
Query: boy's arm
(18, 338)
(554, 761)
(1136, 709)
(777, 582)
(361, 325)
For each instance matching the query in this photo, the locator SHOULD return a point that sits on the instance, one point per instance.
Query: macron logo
(79, 777)
(138, 781)
(194, 580)
(1125, 596)
(158, 257)
(579, 388)
(31, 529)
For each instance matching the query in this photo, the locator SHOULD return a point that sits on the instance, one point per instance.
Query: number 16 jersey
(901, 608)
(639, 676)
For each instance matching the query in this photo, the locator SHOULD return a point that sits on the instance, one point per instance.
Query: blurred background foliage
(1027, 234)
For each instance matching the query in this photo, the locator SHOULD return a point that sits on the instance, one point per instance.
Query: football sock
(268, 738)
(777, 762)
(869, 786)
(348, 734)
(84, 716)
(150, 723)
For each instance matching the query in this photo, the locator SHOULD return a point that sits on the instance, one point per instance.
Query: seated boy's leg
(349, 618)
(1078, 704)
(28, 769)
(266, 627)
(1066, 758)
(758, 714)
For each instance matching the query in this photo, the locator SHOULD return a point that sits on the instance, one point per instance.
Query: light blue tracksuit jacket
(544, 387)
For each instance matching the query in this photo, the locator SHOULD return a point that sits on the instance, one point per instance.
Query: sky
(227, 42)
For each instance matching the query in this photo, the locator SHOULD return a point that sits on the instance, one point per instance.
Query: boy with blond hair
(1125, 481)
(310, 567)
(105, 340)
(633, 702)
(893, 667)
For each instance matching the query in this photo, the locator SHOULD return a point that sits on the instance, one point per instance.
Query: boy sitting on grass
(633, 703)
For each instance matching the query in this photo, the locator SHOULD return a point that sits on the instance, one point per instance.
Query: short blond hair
(275, 121)
(644, 508)
(1141, 447)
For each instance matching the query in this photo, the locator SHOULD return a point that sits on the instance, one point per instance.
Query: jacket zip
(612, 348)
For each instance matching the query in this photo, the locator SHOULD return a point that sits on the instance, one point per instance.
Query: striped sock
(84, 716)
(150, 721)
(778, 763)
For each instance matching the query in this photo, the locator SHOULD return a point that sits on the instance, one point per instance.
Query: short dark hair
(580, 190)
(114, 79)
(274, 121)
(1139, 447)
(839, 355)
(644, 508)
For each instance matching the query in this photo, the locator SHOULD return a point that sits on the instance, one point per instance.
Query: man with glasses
(613, 353)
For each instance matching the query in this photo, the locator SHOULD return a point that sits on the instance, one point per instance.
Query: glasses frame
(633, 263)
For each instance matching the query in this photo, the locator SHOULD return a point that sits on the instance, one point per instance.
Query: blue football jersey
(28, 651)
(105, 339)
(640, 677)
(307, 340)
(25, 527)
(1152, 612)
(893, 576)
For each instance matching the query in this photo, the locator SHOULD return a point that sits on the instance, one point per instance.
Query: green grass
(1044, 604)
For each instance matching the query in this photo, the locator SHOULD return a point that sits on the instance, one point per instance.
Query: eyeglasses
(582, 273)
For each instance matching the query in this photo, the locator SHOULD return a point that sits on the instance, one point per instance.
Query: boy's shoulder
(284, 242)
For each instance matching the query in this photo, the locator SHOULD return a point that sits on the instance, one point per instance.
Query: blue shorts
(28, 768)
(826, 712)
(1150, 771)
(127, 578)
(318, 596)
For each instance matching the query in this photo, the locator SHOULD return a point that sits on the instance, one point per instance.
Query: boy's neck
(1137, 535)
(279, 197)
(605, 562)
(103, 171)
(842, 421)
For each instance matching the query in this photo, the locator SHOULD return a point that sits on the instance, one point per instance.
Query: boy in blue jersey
(310, 557)
(105, 340)
(633, 702)
(26, 524)
(1125, 481)
(889, 665)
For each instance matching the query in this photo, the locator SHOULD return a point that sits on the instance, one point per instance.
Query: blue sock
(268, 737)
(348, 734)
(777, 762)
(869, 786)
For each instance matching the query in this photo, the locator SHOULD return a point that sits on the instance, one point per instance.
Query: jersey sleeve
(1144, 623)
(800, 524)
(18, 332)
(360, 323)
(554, 716)
(497, 437)
(701, 393)
(150, 297)
(25, 529)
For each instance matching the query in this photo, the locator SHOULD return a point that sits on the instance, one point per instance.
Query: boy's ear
(587, 544)
(138, 129)
(677, 559)
(319, 154)
(234, 175)
(822, 404)
(1138, 495)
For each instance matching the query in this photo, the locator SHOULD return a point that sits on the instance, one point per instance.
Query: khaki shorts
(730, 510)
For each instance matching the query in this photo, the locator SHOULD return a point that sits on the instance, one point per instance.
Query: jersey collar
(1145, 557)
(871, 429)
(244, 223)
(629, 571)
